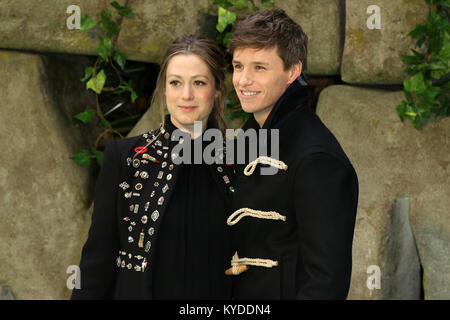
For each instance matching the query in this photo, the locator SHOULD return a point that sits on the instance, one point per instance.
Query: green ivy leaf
(134, 96)
(415, 83)
(127, 87)
(98, 155)
(123, 11)
(87, 73)
(87, 23)
(97, 82)
(427, 96)
(109, 27)
(85, 116)
(120, 58)
(226, 39)
(105, 48)
(82, 158)
(239, 4)
(225, 18)
(444, 53)
(401, 109)
(224, 3)
(104, 123)
(418, 31)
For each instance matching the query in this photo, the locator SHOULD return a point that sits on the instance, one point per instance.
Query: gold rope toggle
(243, 212)
(265, 160)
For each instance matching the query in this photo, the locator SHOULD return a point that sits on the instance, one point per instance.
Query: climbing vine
(109, 58)
(427, 90)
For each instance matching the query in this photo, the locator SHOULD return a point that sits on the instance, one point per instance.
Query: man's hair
(271, 28)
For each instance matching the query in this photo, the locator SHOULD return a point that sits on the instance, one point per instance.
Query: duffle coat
(293, 230)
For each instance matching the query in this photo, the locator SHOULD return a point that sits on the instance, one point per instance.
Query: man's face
(260, 79)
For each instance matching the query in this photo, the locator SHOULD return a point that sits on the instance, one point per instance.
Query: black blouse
(194, 247)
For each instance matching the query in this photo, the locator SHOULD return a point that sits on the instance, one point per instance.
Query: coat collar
(297, 96)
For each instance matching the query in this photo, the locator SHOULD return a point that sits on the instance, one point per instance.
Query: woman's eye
(199, 83)
(174, 83)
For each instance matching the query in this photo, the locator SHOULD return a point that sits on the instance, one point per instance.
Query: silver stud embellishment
(160, 175)
(130, 239)
(144, 175)
(128, 194)
(152, 194)
(164, 164)
(138, 186)
(220, 169)
(147, 246)
(144, 219)
(136, 163)
(124, 185)
(151, 231)
(155, 215)
(165, 188)
(169, 176)
(160, 201)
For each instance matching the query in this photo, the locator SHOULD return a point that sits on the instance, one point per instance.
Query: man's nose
(245, 79)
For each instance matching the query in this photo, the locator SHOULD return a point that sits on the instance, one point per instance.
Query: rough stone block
(372, 56)
(393, 159)
(44, 195)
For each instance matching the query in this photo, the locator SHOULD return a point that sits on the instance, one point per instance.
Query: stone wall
(402, 225)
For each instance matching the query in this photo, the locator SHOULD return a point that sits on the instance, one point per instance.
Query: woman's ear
(295, 71)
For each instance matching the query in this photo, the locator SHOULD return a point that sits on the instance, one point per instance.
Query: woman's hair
(213, 56)
(268, 29)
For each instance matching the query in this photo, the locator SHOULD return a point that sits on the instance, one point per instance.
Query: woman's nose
(187, 93)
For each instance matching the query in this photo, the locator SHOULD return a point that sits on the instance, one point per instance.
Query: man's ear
(295, 71)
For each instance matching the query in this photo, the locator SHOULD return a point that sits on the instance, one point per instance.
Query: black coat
(317, 196)
(114, 263)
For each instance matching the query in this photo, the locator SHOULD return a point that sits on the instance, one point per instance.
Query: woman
(158, 228)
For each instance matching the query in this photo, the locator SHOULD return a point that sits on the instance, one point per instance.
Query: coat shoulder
(308, 135)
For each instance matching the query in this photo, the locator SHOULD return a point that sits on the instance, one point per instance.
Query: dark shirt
(190, 256)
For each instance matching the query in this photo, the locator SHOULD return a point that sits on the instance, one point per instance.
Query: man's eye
(260, 68)
(237, 67)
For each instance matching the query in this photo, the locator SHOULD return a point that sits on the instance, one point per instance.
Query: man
(293, 231)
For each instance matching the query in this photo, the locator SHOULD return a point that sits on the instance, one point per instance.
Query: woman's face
(190, 91)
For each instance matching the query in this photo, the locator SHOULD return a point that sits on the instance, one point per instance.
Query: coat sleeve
(98, 267)
(326, 195)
